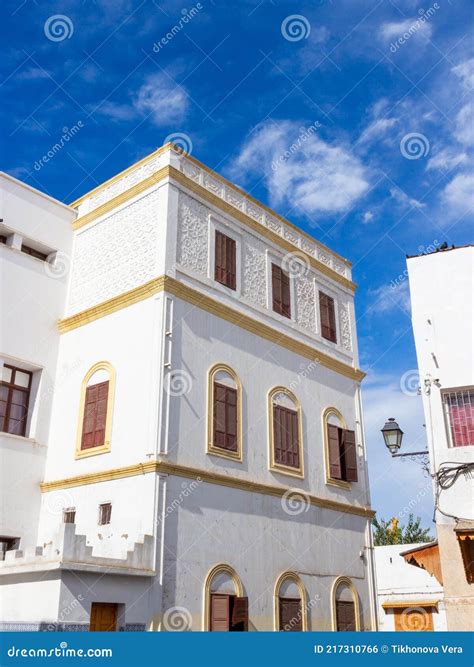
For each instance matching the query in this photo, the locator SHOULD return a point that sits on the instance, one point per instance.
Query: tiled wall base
(62, 627)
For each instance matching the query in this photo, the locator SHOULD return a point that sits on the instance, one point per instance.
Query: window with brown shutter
(345, 616)
(328, 317)
(342, 454)
(95, 415)
(105, 514)
(281, 291)
(291, 615)
(225, 417)
(240, 614)
(69, 515)
(15, 389)
(285, 437)
(225, 260)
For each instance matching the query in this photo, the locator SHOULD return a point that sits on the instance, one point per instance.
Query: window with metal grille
(69, 515)
(225, 260)
(105, 513)
(15, 388)
(8, 544)
(459, 412)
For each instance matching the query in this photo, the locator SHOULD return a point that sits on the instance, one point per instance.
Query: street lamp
(393, 436)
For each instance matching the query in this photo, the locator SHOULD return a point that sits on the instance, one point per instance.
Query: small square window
(105, 513)
(69, 515)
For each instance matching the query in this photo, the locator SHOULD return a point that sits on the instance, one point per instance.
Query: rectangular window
(342, 454)
(328, 317)
(8, 544)
(34, 253)
(285, 435)
(225, 417)
(105, 513)
(291, 615)
(459, 411)
(225, 260)
(3, 239)
(15, 388)
(95, 415)
(281, 291)
(69, 515)
(345, 616)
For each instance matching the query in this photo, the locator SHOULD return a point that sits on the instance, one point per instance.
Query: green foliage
(391, 532)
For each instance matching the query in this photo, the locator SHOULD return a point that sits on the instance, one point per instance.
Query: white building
(441, 288)
(409, 598)
(205, 464)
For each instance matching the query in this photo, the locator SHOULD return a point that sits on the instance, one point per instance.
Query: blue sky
(380, 91)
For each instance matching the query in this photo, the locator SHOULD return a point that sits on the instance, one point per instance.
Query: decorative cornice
(181, 178)
(179, 470)
(149, 182)
(200, 300)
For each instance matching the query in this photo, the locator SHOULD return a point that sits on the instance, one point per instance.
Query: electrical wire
(447, 475)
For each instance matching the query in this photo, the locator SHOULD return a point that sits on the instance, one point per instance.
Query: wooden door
(220, 613)
(103, 617)
(291, 615)
(345, 616)
(413, 619)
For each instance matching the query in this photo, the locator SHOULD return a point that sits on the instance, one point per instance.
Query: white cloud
(390, 297)
(300, 169)
(446, 159)
(367, 217)
(376, 130)
(406, 29)
(166, 101)
(458, 193)
(464, 131)
(159, 98)
(465, 71)
(33, 74)
(405, 200)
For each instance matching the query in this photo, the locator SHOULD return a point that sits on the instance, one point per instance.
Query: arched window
(95, 410)
(224, 423)
(225, 606)
(339, 449)
(285, 429)
(291, 609)
(345, 606)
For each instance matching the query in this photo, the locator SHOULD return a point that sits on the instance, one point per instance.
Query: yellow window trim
(105, 447)
(355, 596)
(340, 483)
(284, 576)
(220, 568)
(210, 448)
(273, 465)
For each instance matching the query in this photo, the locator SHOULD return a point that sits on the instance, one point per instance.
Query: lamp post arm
(424, 453)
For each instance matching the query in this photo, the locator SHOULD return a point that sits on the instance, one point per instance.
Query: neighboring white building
(442, 299)
(409, 598)
(206, 464)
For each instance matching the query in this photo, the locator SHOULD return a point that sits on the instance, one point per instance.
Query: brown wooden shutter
(285, 436)
(220, 607)
(95, 415)
(334, 452)
(225, 417)
(350, 456)
(225, 260)
(291, 615)
(240, 613)
(345, 616)
(281, 291)
(328, 317)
